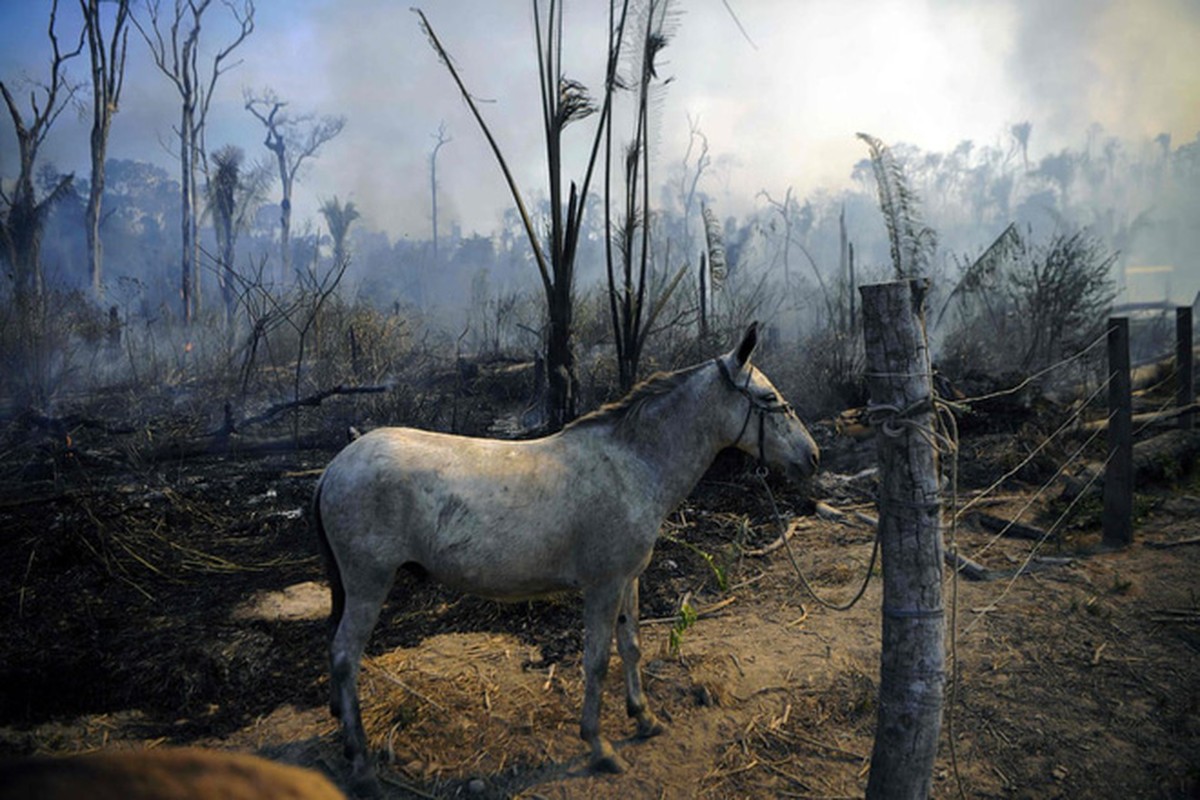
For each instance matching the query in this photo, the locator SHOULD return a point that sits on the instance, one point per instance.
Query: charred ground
(126, 574)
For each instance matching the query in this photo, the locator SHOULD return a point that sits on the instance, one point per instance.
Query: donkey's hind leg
(599, 615)
(629, 646)
(363, 600)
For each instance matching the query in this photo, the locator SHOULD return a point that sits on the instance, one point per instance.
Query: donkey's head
(761, 422)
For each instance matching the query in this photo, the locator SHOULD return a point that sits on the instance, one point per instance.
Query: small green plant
(719, 572)
(685, 619)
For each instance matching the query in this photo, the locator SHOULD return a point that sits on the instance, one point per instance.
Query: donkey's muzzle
(805, 467)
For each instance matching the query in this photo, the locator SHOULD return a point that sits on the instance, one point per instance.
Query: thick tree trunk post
(912, 677)
(1183, 363)
(1118, 475)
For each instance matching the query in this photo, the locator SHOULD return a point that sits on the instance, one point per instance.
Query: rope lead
(761, 474)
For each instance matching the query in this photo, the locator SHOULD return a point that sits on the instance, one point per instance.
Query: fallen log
(310, 401)
(1167, 456)
(1011, 528)
(64, 425)
(973, 570)
(229, 438)
(237, 445)
(1147, 418)
(828, 512)
(1176, 543)
(780, 541)
(165, 773)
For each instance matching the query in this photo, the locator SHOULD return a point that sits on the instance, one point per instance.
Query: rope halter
(776, 405)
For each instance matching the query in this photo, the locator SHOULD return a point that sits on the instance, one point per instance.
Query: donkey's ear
(749, 342)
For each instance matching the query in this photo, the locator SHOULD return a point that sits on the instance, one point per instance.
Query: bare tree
(23, 217)
(564, 101)
(24, 214)
(632, 320)
(108, 76)
(174, 43)
(293, 139)
(440, 138)
(689, 176)
(1061, 291)
(1020, 133)
(788, 215)
(232, 194)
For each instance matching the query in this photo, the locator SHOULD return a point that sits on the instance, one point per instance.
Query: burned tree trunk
(174, 42)
(911, 678)
(108, 76)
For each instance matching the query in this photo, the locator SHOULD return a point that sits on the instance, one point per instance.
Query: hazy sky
(780, 106)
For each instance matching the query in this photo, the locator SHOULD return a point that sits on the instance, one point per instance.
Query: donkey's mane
(623, 414)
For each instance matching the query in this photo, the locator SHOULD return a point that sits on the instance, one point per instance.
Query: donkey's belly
(500, 551)
(480, 571)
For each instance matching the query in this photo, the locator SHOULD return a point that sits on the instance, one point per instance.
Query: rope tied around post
(891, 421)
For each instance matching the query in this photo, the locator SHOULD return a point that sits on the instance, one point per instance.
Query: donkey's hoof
(610, 764)
(605, 760)
(648, 726)
(367, 788)
(365, 784)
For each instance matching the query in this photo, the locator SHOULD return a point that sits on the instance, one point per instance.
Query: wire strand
(1033, 454)
(1036, 495)
(1033, 550)
(1044, 371)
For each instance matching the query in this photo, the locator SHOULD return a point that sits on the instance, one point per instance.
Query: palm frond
(574, 102)
(911, 242)
(715, 244)
(62, 187)
(983, 273)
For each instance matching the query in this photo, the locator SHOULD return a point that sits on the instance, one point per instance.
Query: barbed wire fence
(1115, 471)
(1099, 414)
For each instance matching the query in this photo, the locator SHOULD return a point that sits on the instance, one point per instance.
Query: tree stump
(912, 664)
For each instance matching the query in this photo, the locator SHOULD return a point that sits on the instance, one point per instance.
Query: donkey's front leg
(599, 615)
(630, 649)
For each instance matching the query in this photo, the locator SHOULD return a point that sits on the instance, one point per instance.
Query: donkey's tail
(336, 586)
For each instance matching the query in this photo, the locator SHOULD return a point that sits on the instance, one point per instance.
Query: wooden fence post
(1118, 475)
(1186, 394)
(912, 664)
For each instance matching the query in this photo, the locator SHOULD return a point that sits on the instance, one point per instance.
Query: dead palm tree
(564, 101)
(338, 218)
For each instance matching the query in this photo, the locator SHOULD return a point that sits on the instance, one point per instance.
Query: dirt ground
(182, 602)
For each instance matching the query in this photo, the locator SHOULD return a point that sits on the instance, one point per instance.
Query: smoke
(1130, 68)
(783, 110)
